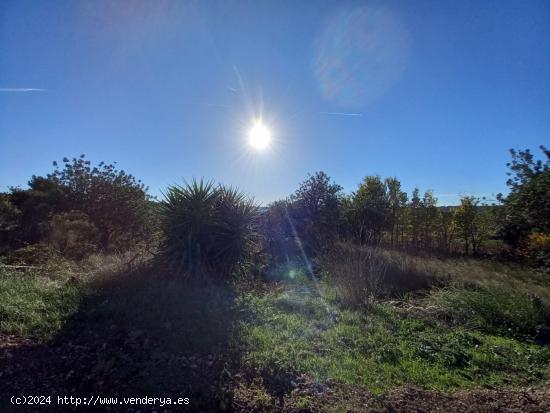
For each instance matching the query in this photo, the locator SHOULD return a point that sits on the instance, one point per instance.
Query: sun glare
(259, 136)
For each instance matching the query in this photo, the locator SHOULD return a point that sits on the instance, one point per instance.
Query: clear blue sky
(432, 92)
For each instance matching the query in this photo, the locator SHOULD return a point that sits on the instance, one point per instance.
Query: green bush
(498, 311)
(206, 228)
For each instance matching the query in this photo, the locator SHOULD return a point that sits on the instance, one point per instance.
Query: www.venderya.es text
(95, 400)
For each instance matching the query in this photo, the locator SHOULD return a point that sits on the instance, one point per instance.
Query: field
(463, 336)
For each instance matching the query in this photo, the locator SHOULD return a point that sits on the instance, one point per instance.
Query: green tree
(415, 218)
(473, 222)
(115, 201)
(372, 208)
(397, 201)
(428, 210)
(527, 206)
(446, 228)
(315, 212)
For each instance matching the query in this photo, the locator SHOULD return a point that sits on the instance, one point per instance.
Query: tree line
(79, 209)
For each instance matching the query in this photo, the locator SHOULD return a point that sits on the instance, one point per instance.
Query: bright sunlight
(259, 136)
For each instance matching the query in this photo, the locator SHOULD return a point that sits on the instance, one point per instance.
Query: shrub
(10, 218)
(115, 202)
(537, 249)
(206, 228)
(72, 234)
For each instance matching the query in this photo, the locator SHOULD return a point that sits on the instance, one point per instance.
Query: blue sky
(434, 93)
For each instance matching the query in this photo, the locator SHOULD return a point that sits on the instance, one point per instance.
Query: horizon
(433, 93)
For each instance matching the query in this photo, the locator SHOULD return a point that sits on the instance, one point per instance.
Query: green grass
(267, 334)
(32, 305)
(495, 310)
(290, 331)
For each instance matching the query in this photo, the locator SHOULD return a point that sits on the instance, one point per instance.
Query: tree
(446, 228)
(474, 223)
(527, 206)
(116, 203)
(315, 211)
(372, 209)
(415, 217)
(397, 201)
(428, 210)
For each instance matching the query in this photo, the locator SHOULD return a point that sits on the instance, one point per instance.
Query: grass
(484, 273)
(256, 340)
(33, 305)
(38, 302)
(496, 310)
(290, 332)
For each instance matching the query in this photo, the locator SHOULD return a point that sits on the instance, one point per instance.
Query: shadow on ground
(139, 334)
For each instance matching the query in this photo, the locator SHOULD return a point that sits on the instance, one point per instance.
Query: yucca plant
(235, 233)
(206, 228)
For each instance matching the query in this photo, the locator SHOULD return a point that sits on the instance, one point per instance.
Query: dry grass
(360, 273)
(356, 273)
(483, 273)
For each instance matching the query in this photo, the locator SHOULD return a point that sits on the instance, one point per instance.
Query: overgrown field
(290, 341)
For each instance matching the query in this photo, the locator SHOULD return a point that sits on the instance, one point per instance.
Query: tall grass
(497, 310)
(357, 274)
(360, 273)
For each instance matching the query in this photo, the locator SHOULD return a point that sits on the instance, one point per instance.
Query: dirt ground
(70, 367)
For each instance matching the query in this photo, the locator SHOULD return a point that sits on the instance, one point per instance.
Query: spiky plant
(235, 234)
(206, 227)
(188, 221)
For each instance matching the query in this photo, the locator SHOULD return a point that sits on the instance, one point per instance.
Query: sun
(259, 136)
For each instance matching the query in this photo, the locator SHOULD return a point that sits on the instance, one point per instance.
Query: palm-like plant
(235, 233)
(206, 227)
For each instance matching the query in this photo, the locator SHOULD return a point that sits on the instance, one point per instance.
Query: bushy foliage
(276, 231)
(206, 228)
(10, 221)
(372, 209)
(115, 203)
(537, 249)
(474, 223)
(527, 207)
(314, 212)
(73, 234)
(43, 198)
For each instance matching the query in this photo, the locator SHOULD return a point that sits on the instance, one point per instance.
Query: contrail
(21, 89)
(341, 113)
